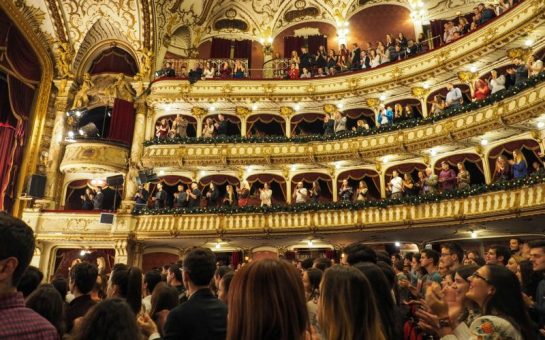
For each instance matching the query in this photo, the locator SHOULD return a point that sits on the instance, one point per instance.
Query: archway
(353, 115)
(354, 176)
(170, 185)
(308, 178)
(77, 188)
(114, 60)
(411, 108)
(191, 124)
(406, 168)
(529, 148)
(307, 124)
(265, 125)
(233, 123)
(277, 184)
(466, 92)
(472, 162)
(220, 182)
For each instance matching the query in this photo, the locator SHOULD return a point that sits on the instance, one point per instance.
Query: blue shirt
(520, 169)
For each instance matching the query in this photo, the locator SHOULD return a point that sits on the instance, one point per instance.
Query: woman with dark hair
(163, 299)
(223, 286)
(459, 288)
(347, 308)
(126, 282)
(111, 319)
(47, 302)
(389, 313)
(497, 292)
(267, 302)
(311, 283)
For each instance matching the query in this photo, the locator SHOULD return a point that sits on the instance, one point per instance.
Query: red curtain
(408, 168)
(359, 174)
(453, 160)
(265, 119)
(8, 144)
(314, 42)
(218, 180)
(21, 56)
(243, 50)
(221, 48)
(357, 113)
(114, 60)
(509, 147)
(293, 44)
(235, 259)
(122, 123)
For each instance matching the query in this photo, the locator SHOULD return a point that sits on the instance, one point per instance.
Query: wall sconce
(266, 40)
(342, 31)
(419, 14)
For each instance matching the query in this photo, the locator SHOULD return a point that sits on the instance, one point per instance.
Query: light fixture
(540, 125)
(342, 31)
(82, 253)
(81, 132)
(161, 172)
(398, 244)
(97, 182)
(426, 85)
(385, 159)
(297, 107)
(310, 243)
(338, 165)
(433, 152)
(484, 142)
(254, 107)
(246, 258)
(218, 245)
(529, 42)
(340, 106)
(473, 68)
(382, 97)
(419, 14)
(78, 113)
(212, 108)
(71, 134)
(474, 234)
(293, 167)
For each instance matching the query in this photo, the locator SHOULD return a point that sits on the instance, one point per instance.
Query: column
(288, 190)
(335, 188)
(199, 114)
(242, 113)
(268, 71)
(486, 169)
(243, 127)
(421, 93)
(137, 149)
(149, 130)
(56, 147)
(424, 107)
(288, 126)
(286, 112)
(382, 177)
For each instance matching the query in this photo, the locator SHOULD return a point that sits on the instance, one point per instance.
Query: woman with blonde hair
(267, 302)
(243, 194)
(519, 168)
(463, 178)
(347, 308)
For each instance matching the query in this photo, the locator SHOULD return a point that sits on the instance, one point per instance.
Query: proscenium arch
(358, 8)
(40, 107)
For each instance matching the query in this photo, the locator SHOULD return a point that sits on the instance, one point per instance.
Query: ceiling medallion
(300, 4)
(231, 13)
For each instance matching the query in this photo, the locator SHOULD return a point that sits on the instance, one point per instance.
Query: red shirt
(22, 323)
(481, 94)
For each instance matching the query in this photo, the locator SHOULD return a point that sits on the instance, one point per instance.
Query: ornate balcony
(99, 156)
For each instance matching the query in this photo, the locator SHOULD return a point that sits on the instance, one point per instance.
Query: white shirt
(265, 197)
(301, 195)
(396, 184)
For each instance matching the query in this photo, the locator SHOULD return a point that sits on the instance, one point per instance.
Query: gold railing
(499, 205)
(519, 108)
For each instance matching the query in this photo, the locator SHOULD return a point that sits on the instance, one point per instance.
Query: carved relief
(94, 157)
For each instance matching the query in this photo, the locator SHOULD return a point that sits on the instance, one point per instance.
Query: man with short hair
(82, 280)
(194, 196)
(395, 186)
(321, 263)
(452, 256)
(222, 126)
(175, 279)
(151, 279)
(98, 200)
(203, 316)
(537, 257)
(358, 252)
(515, 246)
(429, 260)
(454, 96)
(16, 250)
(497, 254)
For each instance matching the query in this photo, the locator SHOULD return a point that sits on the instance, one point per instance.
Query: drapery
(266, 119)
(220, 48)
(114, 60)
(65, 257)
(466, 92)
(408, 168)
(453, 160)
(243, 50)
(230, 118)
(191, 123)
(529, 144)
(307, 123)
(235, 259)
(308, 178)
(122, 122)
(293, 44)
(257, 181)
(361, 174)
(315, 41)
(219, 180)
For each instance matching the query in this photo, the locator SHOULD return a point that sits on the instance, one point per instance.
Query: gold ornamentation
(466, 76)
(242, 111)
(198, 112)
(286, 111)
(122, 89)
(330, 108)
(519, 53)
(419, 92)
(82, 96)
(372, 102)
(146, 61)
(65, 56)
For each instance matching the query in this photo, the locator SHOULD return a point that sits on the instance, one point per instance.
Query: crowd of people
(92, 199)
(448, 293)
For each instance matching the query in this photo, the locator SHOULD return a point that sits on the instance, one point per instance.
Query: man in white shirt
(454, 96)
(301, 193)
(396, 185)
(265, 195)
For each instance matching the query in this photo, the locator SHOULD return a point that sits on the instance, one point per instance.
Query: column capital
(419, 92)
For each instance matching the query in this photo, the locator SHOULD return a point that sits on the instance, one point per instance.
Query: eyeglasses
(479, 276)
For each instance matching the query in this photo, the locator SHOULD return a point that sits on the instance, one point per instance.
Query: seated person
(166, 71)
(239, 71)
(195, 74)
(225, 70)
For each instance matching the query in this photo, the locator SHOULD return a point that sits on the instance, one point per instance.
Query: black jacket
(329, 127)
(202, 317)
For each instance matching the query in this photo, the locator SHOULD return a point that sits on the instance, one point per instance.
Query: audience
(82, 280)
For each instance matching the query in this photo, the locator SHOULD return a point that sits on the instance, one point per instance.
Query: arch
(371, 178)
(94, 123)
(276, 182)
(472, 161)
(324, 27)
(466, 92)
(101, 36)
(170, 186)
(220, 181)
(353, 115)
(324, 180)
(355, 7)
(76, 188)
(114, 60)
(234, 122)
(180, 42)
(309, 123)
(405, 168)
(414, 105)
(529, 148)
(265, 124)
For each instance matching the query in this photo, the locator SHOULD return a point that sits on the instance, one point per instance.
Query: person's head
(461, 166)
(537, 254)
(498, 254)
(47, 302)
(126, 282)
(452, 255)
(16, 250)
(429, 172)
(395, 174)
(199, 267)
(415, 262)
(109, 319)
(82, 278)
(180, 187)
(223, 286)
(220, 272)
(321, 263)
(429, 258)
(347, 307)
(514, 244)
(267, 301)
(266, 186)
(299, 185)
(61, 285)
(450, 86)
(517, 155)
(497, 291)
(194, 186)
(311, 282)
(513, 263)
(151, 279)
(460, 284)
(168, 64)
(221, 117)
(382, 292)
(174, 275)
(163, 297)
(359, 252)
(445, 165)
(31, 279)
(159, 186)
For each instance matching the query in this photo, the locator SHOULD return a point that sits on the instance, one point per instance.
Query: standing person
(447, 178)
(430, 182)
(180, 197)
(315, 192)
(126, 283)
(230, 198)
(454, 96)
(212, 195)
(160, 197)
(202, 316)
(346, 192)
(141, 197)
(87, 199)
(452, 256)
(356, 57)
(429, 260)
(502, 170)
(82, 280)
(208, 129)
(180, 126)
(194, 196)
(496, 83)
(361, 191)
(518, 165)
(222, 126)
(243, 193)
(98, 200)
(329, 125)
(537, 257)
(463, 179)
(265, 195)
(175, 279)
(16, 250)
(409, 188)
(151, 279)
(300, 194)
(340, 122)
(311, 282)
(498, 254)
(395, 185)
(515, 246)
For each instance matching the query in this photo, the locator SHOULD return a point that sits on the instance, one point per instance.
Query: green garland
(409, 123)
(536, 178)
